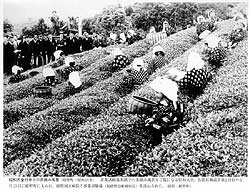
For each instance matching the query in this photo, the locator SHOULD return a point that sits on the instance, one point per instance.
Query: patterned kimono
(216, 56)
(120, 62)
(17, 78)
(194, 81)
(157, 62)
(136, 77)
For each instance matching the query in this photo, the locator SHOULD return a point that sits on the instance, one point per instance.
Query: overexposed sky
(19, 10)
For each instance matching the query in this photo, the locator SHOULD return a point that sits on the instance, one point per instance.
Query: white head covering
(167, 87)
(138, 64)
(57, 54)
(156, 49)
(15, 69)
(74, 78)
(117, 51)
(113, 36)
(132, 32)
(152, 30)
(48, 72)
(200, 19)
(68, 60)
(123, 37)
(204, 34)
(241, 23)
(212, 41)
(194, 61)
(175, 74)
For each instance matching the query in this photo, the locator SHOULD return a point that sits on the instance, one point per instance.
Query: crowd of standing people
(30, 52)
(37, 50)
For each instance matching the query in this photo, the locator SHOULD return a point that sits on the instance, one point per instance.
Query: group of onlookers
(30, 52)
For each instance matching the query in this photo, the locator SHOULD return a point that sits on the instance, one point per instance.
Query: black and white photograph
(124, 95)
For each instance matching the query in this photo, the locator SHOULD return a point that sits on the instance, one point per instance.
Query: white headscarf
(138, 64)
(212, 41)
(117, 51)
(15, 69)
(204, 34)
(48, 72)
(200, 17)
(175, 74)
(123, 37)
(74, 78)
(57, 54)
(68, 60)
(113, 36)
(194, 61)
(131, 32)
(167, 87)
(156, 49)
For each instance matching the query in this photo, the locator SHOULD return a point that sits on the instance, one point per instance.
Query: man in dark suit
(70, 44)
(78, 43)
(8, 55)
(43, 48)
(35, 47)
(61, 43)
(87, 42)
(51, 48)
(25, 48)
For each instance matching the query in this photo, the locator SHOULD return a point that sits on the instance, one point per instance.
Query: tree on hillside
(113, 20)
(129, 10)
(182, 14)
(40, 28)
(7, 26)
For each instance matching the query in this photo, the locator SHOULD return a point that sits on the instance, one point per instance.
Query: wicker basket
(141, 105)
(33, 73)
(42, 91)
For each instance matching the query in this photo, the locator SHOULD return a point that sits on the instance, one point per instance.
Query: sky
(17, 11)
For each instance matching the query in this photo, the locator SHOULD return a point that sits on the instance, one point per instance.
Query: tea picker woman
(192, 81)
(17, 76)
(74, 84)
(138, 74)
(238, 33)
(169, 111)
(158, 59)
(69, 67)
(120, 60)
(50, 77)
(214, 51)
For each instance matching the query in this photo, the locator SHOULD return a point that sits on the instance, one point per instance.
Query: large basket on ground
(42, 91)
(141, 105)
